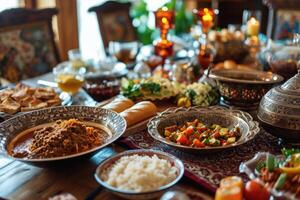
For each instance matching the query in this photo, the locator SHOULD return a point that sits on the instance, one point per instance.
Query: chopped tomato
(189, 130)
(201, 129)
(182, 139)
(197, 143)
(182, 128)
(216, 134)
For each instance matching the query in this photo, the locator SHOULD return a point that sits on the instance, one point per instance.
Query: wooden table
(22, 181)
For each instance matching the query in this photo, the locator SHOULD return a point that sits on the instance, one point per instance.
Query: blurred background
(75, 27)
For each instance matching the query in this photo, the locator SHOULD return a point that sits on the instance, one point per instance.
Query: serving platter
(65, 98)
(211, 115)
(10, 128)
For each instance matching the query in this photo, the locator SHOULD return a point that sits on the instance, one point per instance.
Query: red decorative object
(164, 20)
(206, 17)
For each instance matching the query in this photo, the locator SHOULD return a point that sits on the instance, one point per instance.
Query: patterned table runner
(208, 169)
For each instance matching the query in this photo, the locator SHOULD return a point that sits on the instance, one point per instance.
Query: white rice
(140, 173)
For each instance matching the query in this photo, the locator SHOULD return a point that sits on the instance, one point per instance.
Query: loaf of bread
(139, 112)
(119, 104)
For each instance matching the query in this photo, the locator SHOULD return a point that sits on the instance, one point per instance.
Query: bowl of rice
(139, 174)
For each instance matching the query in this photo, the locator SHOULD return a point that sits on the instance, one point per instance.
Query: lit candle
(206, 17)
(253, 27)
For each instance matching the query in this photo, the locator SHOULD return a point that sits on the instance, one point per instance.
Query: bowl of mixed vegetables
(279, 174)
(203, 130)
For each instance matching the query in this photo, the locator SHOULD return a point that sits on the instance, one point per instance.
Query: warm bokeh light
(206, 18)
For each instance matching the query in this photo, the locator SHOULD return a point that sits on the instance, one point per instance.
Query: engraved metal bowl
(140, 195)
(10, 128)
(249, 168)
(210, 115)
(243, 88)
(279, 110)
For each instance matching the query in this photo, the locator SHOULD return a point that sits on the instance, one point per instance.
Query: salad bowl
(210, 115)
(250, 168)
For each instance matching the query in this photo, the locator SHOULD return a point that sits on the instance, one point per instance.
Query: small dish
(10, 128)
(211, 115)
(102, 89)
(249, 168)
(140, 195)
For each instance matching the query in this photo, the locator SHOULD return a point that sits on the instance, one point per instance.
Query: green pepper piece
(270, 164)
(280, 181)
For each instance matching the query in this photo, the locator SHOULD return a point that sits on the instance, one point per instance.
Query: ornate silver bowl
(10, 128)
(243, 88)
(279, 110)
(139, 195)
(211, 115)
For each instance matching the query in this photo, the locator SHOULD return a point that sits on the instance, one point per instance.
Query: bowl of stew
(63, 133)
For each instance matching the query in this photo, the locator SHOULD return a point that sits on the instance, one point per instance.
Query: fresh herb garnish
(191, 93)
(131, 90)
(151, 87)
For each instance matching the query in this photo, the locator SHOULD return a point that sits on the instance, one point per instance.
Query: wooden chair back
(27, 46)
(114, 22)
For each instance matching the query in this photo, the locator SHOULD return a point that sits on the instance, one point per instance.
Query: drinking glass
(68, 78)
(125, 52)
(76, 59)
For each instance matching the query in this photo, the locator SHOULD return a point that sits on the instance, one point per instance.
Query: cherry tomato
(189, 130)
(182, 139)
(254, 190)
